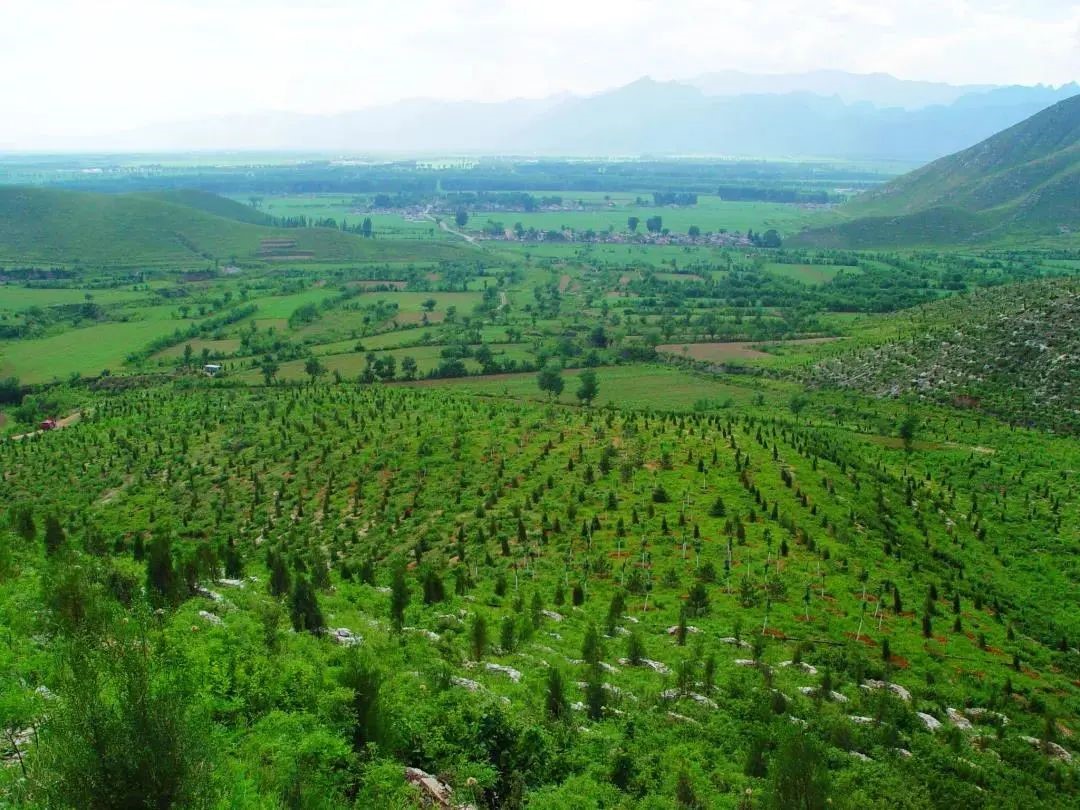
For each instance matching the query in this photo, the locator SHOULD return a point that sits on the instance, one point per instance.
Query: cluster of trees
(769, 239)
(682, 198)
(777, 195)
(550, 381)
(653, 224)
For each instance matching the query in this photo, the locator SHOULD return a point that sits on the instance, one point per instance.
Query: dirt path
(64, 422)
(442, 224)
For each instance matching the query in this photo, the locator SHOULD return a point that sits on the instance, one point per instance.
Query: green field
(710, 214)
(807, 273)
(659, 387)
(88, 350)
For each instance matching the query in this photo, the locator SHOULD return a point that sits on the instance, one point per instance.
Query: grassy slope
(212, 204)
(1021, 181)
(425, 462)
(64, 227)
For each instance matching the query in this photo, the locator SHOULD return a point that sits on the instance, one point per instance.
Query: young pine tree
(304, 608)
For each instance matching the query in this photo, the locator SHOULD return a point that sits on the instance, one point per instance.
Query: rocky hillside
(1012, 351)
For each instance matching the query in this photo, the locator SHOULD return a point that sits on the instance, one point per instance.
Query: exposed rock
(895, 688)
(674, 629)
(738, 642)
(1053, 750)
(433, 791)
(980, 715)
(509, 672)
(928, 720)
(813, 691)
(210, 618)
(551, 614)
(809, 669)
(958, 719)
(345, 637)
(465, 683)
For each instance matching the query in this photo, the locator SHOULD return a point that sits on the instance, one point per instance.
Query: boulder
(928, 720)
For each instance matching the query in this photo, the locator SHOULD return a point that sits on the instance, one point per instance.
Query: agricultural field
(710, 213)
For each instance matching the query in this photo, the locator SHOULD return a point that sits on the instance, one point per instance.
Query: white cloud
(74, 66)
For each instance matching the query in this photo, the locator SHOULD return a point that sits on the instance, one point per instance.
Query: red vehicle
(48, 424)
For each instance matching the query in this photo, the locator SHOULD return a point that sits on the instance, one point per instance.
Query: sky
(97, 66)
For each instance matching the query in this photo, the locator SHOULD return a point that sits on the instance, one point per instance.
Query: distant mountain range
(1023, 181)
(827, 114)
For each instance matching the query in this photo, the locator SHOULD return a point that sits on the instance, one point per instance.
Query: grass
(654, 386)
(87, 351)
(710, 214)
(17, 299)
(808, 273)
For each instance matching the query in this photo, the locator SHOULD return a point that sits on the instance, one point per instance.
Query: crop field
(16, 299)
(710, 214)
(807, 273)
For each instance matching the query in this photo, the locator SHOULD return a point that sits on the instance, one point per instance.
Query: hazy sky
(103, 65)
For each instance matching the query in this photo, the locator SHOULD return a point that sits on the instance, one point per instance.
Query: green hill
(213, 204)
(1021, 182)
(57, 227)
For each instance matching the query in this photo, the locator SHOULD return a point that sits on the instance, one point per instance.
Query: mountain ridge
(646, 116)
(1020, 180)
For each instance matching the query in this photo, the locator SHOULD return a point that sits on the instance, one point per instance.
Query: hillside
(543, 606)
(185, 229)
(213, 204)
(1022, 181)
(1012, 351)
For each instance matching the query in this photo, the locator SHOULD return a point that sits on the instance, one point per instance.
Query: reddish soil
(863, 639)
